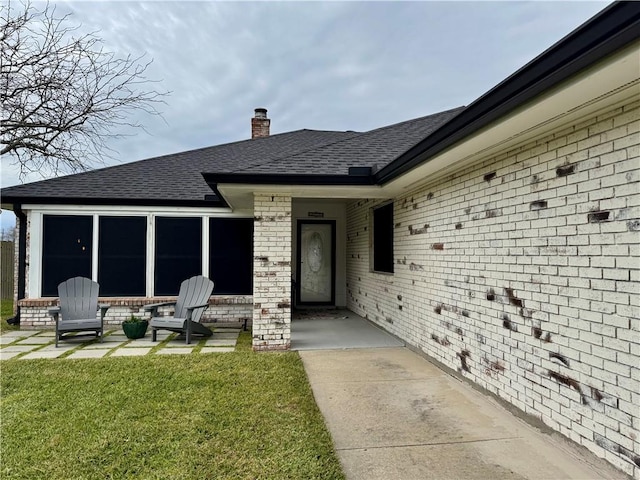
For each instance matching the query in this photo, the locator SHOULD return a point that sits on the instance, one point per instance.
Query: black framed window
(178, 252)
(231, 255)
(122, 253)
(383, 238)
(66, 250)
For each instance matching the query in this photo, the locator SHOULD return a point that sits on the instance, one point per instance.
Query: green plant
(134, 319)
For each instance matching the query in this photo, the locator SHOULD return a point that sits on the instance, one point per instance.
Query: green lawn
(6, 311)
(210, 416)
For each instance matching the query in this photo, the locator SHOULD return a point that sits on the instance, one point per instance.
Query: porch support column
(272, 272)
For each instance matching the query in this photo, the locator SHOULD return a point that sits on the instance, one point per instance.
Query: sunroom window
(122, 256)
(231, 255)
(178, 252)
(66, 250)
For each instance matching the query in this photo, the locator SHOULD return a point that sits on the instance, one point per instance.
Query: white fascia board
(124, 210)
(602, 87)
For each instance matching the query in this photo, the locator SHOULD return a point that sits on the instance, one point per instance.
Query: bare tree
(63, 96)
(8, 234)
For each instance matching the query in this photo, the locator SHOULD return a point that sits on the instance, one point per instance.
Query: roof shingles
(176, 178)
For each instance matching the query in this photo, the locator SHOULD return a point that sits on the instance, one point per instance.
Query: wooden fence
(6, 270)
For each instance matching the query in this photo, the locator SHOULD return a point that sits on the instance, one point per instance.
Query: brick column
(272, 272)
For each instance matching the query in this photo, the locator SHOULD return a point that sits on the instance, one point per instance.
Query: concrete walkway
(32, 344)
(394, 415)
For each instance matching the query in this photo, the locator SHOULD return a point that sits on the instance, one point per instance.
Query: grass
(6, 311)
(216, 416)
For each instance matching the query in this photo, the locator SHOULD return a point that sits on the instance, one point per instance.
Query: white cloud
(318, 65)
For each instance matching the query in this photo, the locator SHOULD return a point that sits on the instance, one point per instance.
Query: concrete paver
(31, 344)
(217, 349)
(175, 351)
(62, 347)
(88, 353)
(6, 355)
(34, 341)
(19, 348)
(130, 352)
(42, 354)
(102, 345)
(220, 342)
(19, 333)
(393, 414)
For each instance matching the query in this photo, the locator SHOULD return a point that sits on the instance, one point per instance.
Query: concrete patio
(36, 344)
(328, 329)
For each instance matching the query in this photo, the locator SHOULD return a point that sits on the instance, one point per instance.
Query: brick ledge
(139, 301)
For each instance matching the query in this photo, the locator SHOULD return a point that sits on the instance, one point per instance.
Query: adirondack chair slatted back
(78, 298)
(193, 291)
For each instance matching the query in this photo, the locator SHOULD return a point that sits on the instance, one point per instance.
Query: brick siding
(34, 312)
(272, 272)
(523, 273)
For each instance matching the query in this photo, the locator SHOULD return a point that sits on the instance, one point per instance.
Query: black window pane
(231, 255)
(178, 253)
(66, 250)
(383, 239)
(122, 251)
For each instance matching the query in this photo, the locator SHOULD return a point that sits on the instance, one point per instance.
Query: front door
(316, 262)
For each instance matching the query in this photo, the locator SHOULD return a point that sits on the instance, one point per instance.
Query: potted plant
(135, 327)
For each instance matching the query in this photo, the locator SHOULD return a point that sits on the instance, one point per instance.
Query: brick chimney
(260, 124)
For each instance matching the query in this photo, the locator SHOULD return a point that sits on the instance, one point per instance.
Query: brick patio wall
(34, 312)
(523, 274)
(272, 272)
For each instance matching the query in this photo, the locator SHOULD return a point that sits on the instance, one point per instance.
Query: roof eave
(214, 201)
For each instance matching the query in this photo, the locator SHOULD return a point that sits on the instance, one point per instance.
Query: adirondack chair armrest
(191, 308)
(103, 309)
(54, 312)
(153, 308)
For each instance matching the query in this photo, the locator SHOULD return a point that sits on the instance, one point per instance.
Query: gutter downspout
(22, 260)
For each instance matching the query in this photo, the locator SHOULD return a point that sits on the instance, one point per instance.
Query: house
(500, 239)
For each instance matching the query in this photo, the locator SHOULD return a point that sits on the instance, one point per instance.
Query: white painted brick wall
(272, 272)
(535, 292)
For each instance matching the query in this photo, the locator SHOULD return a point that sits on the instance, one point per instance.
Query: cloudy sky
(316, 65)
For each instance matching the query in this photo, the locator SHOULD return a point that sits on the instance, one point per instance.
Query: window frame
(375, 265)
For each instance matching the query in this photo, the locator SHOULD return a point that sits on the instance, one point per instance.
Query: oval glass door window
(315, 252)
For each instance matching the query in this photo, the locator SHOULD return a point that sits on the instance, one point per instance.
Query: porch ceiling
(240, 196)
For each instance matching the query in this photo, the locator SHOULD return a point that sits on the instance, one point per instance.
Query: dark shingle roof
(177, 179)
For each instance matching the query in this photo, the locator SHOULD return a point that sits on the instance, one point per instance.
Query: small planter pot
(136, 329)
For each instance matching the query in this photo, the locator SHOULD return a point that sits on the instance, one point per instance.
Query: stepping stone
(116, 338)
(88, 354)
(225, 335)
(20, 333)
(19, 348)
(221, 342)
(46, 334)
(7, 340)
(35, 341)
(102, 345)
(130, 352)
(62, 347)
(217, 349)
(175, 351)
(41, 354)
(4, 355)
